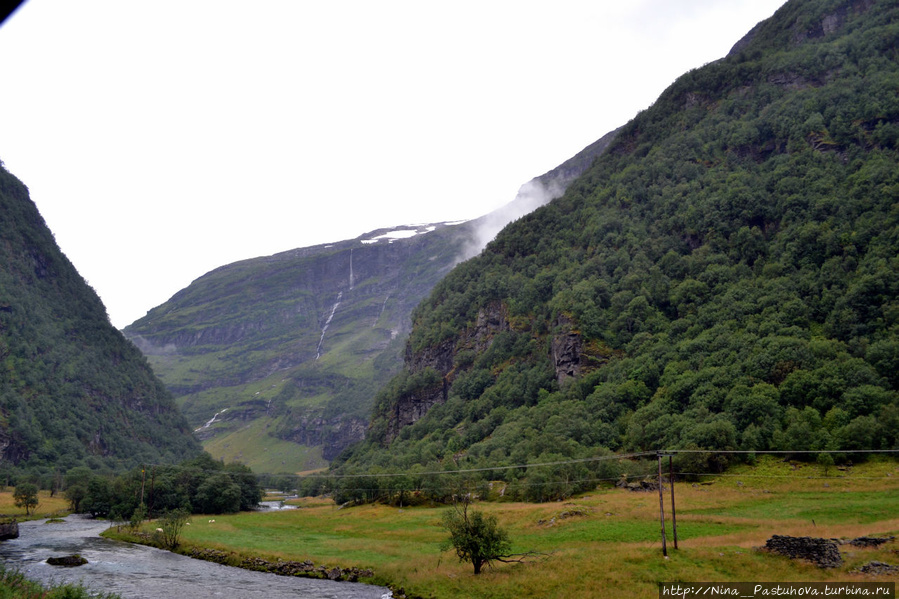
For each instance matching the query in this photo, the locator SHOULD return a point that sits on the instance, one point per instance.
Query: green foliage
(138, 517)
(168, 534)
(825, 460)
(476, 537)
(728, 270)
(25, 496)
(14, 585)
(199, 485)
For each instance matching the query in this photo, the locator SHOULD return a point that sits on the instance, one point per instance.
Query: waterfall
(318, 351)
(381, 313)
(211, 420)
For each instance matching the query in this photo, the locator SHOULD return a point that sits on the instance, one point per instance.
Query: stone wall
(822, 552)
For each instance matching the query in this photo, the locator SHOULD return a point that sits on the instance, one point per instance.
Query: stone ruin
(645, 485)
(822, 552)
(870, 541)
(877, 569)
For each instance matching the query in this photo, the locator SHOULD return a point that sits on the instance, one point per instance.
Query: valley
(602, 543)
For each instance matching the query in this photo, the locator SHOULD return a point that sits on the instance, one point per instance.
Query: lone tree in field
(25, 496)
(477, 538)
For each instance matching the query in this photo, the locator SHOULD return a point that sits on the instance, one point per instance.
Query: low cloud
(530, 196)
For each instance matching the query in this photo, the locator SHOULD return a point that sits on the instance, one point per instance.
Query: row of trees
(200, 485)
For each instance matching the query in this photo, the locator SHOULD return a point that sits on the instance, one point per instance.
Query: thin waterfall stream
(321, 340)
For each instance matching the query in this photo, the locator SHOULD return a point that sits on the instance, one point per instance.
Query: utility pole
(673, 512)
(662, 507)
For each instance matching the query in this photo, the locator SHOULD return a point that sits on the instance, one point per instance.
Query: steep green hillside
(73, 390)
(276, 361)
(724, 276)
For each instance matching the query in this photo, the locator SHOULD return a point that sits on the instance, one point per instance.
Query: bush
(168, 535)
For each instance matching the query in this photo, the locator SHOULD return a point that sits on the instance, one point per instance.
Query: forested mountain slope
(724, 276)
(73, 390)
(276, 360)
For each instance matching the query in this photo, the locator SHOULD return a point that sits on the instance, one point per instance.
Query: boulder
(68, 561)
(9, 530)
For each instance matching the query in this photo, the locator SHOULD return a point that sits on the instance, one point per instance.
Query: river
(139, 572)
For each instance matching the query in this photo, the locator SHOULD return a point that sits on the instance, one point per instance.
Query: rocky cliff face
(333, 435)
(408, 408)
(567, 352)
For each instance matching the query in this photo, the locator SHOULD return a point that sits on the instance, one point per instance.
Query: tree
(251, 492)
(137, 517)
(825, 460)
(25, 496)
(168, 535)
(76, 494)
(476, 537)
(218, 494)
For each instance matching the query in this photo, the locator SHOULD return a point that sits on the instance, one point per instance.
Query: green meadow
(606, 543)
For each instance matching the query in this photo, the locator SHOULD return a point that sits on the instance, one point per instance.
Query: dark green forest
(728, 272)
(73, 391)
(200, 485)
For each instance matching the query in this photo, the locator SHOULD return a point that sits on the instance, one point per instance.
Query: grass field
(252, 445)
(612, 549)
(46, 508)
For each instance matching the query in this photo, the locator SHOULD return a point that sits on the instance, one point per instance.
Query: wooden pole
(662, 508)
(673, 513)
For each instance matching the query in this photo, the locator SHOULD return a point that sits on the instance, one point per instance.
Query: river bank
(279, 567)
(142, 572)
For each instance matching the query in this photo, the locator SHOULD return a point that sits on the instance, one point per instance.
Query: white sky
(161, 139)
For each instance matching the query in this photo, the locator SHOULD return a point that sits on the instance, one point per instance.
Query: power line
(469, 470)
(584, 460)
(795, 476)
(611, 457)
(779, 451)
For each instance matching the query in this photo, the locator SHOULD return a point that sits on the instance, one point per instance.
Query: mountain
(73, 390)
(276, 360)
(724, 277)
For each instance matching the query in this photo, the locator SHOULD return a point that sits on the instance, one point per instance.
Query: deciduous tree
(477, 537)
(25, 496)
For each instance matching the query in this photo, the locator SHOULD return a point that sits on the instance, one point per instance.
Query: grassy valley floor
(602, 544)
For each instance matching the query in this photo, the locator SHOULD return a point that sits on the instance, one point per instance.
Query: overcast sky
(163, 139)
